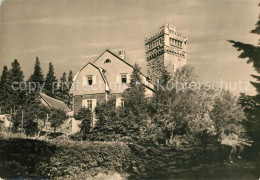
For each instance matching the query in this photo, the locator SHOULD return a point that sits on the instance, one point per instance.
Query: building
(166, 48)
(109, 74)
(69, 125)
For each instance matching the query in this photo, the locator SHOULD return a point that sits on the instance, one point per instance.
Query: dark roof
(54, 103)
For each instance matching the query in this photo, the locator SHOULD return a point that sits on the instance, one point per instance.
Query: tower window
(90, 80)
(123, 78)
(107, 61)
(173, 67)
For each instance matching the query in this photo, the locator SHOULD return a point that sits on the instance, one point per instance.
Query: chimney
(121, 54)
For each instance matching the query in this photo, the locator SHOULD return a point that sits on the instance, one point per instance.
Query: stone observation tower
(165, 48)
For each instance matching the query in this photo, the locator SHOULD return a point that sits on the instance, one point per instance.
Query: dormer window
(107, 61)
(90, 80)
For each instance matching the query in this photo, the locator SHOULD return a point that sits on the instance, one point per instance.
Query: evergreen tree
(70, 79)
(107, 117)
(252, 110)
(4, 91)
(17, 96)
(37, 75)
(134, 113)
(36, 81)
(69, 85)
(63, 90)
(57, 117)
(50, 82)
(85, 116)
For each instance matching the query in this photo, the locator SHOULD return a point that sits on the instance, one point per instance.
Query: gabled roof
(54, 103)
(101, 71)
(107, 50)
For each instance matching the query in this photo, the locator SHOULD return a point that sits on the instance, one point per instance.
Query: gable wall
(98, 87)
(113, 71)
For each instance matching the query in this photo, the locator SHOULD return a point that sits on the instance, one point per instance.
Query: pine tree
(36, 82)
(252, 110)
(50, 82)
(134, 112)
(69, 85)
(57, 117)
(4, 91)
(17, 96)
(63, 90)
(37, 75)
(70, 79)
(85, 116)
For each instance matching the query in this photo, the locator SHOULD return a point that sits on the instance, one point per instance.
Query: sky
(70, 33)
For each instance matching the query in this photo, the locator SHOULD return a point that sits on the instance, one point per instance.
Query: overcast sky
(70, 33)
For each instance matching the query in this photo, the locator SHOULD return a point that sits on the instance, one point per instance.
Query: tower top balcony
(164, 30)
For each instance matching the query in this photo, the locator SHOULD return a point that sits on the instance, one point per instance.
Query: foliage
(180, 110)
(85, 116)
(70, 96)
(4, 90)
(57, 117)
(70, 79)
(252, 113)
(35, 83)
(177, 114)
(226, 111)
(17, 96)
(134, 113)
(31, 119)
(64, 88)
(75, 160)
(106, 114)
(127, 121)
(251, 105)
(50, 82)
(37, 75)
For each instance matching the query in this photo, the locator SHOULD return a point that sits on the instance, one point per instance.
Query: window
(90, 80)
(173, 67)
(123, 78)
(107, 61)
(89, 102)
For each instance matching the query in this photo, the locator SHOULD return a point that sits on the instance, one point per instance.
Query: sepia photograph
(130, 89)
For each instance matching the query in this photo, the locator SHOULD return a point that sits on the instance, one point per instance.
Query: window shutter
(94, 79)
(94, 104)
(84, 103)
